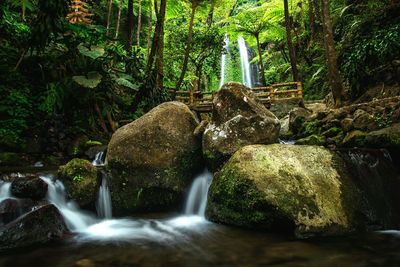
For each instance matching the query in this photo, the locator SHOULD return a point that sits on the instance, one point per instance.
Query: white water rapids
(89, 227)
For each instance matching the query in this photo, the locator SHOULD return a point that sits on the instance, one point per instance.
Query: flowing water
(197, 198)
(104, 205)
(98, 159)
(245, 63)
(5, 190)
(189, 240)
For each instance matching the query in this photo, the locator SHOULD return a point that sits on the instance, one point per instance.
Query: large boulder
(80, 179)
(40, 226)
(307, 189)
(29, 186)
(238, 119)
(153, 159)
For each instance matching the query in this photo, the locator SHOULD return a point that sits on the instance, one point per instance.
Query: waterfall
(5, 190)
(245, 63)
(98, 160)
(75, 219)
(103, 205)
(223, 61)
(197, 199)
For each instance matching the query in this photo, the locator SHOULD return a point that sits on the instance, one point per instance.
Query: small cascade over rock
(75, 219)
(245, 63)
(5, 190)
(197, 199)
(103, 205)
(98, 160)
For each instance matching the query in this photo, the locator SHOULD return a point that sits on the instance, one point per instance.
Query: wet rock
(296, 118)
(384, 138)
(305, 189)
(12, 208)
(355, 138)
(315, 139)
(80, 179)
(347, 125)
(201, 128)
(29, 186)
(153, 159)
(238, 119)
(364, 121)
(40, 226)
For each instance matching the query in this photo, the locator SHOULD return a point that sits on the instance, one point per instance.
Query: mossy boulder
(355, 138)
(153, 160)
(384, 138)
(315, 140)
(302, 188)
(238, 119)
(80, 179)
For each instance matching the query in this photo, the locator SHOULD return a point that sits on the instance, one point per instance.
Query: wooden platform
(202, 101)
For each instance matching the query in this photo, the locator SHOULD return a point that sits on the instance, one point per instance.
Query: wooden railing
(202, 101)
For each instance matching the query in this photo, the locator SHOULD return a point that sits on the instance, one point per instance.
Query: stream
(187, 239)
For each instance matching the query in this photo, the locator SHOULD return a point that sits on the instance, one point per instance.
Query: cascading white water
(5, 190)
(223, 61)
(98, 160)
(89, 228)
(245, 63)
(75, 219)
(197, 198)
(103, 205)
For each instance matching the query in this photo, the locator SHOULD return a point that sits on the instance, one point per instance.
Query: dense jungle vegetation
(81, 68)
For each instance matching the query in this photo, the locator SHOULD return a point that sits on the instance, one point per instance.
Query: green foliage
(77, 178)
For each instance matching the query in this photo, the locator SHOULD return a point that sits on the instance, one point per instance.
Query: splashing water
(103, 205)
(245, 63)
(98, 159)
(5, 190)
(197, 198)
(89, 228)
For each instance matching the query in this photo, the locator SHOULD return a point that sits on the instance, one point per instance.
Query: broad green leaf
(126, 83)
(92, 80)
(93, 52)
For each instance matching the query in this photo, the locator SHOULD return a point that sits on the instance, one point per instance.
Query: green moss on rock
(284, 186)
(315, 139)
(355, 138)
(80, 178)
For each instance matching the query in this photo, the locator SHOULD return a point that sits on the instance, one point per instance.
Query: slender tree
(150, 27)
(333, 72)
(130, 26)
(139, 25)
(311, 19)
(109, 16)
(292, 51)
(195, 4)
(118, 18)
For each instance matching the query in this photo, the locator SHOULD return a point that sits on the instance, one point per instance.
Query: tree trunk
(292, 52)
(109, 16)
(130, 27)
(150, 28)
(188, 46)
(160, 60)
(210, 17)
(118, 19)
(333, 72)
(139, 25)
(263, 80)
(100, 117)
(158, 32)
(311, 19)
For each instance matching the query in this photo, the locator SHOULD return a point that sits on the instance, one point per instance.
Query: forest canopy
(83, 67)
